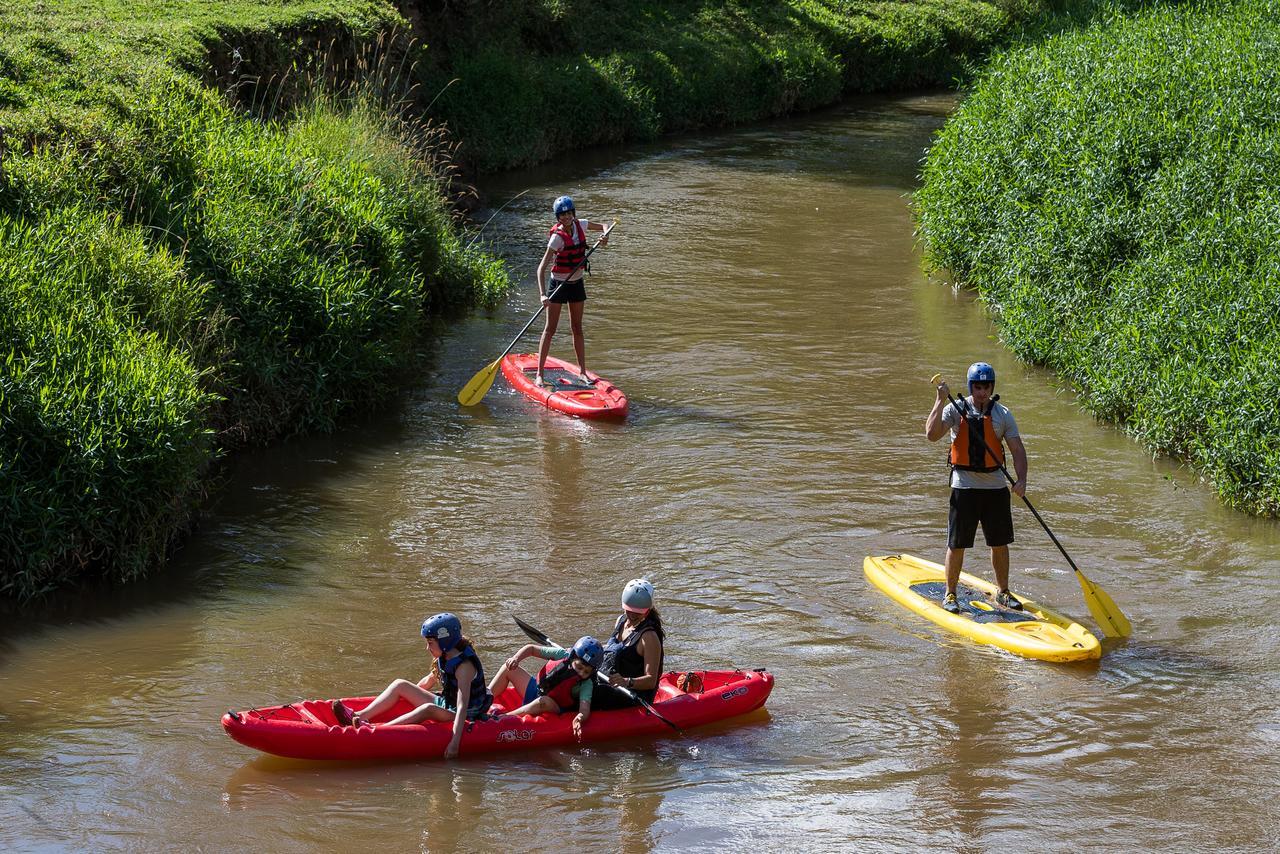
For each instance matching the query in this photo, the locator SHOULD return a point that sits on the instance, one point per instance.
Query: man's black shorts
(971, 506)
(563, 292)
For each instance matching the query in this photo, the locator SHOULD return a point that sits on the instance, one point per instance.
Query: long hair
(656, 619)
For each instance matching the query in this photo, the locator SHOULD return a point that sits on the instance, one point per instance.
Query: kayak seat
(935, 590)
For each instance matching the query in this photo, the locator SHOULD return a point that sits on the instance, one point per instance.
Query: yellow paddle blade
(1110, 619)
(475, 390)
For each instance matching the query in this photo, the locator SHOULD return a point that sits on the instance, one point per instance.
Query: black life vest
(480, 699)
(557, 680)
(572, 253)
(969, 455)
(622, 657)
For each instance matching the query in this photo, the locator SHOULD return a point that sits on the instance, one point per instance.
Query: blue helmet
(589, 650)
(563, 204)
(445, 628)
(981, 372)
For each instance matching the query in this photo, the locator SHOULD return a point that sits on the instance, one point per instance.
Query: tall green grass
(1114, 196)
(536, 77)
(192, 279)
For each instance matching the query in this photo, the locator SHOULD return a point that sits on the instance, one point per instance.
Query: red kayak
(565, 390)
(308, 729)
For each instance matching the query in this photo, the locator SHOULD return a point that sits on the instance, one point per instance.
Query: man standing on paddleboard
(566, 250)
(979, 494)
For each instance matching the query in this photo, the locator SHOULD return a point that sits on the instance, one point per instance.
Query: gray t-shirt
(1005, 427)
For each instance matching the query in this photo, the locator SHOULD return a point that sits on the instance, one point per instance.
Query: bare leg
(955, 562)
(540, 706)
(425, 712)
(579, 342)
(548, 332)
(397, 690)
(1000, 564)
(516, 677)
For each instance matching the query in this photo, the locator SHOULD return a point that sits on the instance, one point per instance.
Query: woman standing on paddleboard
(566, 249)
(633, 653)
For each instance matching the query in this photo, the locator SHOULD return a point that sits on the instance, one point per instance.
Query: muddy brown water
(763, 305)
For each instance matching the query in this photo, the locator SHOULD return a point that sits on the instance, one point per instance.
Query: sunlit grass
(1114, 195)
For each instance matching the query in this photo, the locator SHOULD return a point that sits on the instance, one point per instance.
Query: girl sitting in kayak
(462, 693)
(633, 654)
(568, 675)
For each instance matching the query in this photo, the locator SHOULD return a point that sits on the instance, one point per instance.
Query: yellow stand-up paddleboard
(1036, 632)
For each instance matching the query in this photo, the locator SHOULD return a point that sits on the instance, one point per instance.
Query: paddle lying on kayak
(478, 386)
(1108, 616)
(540, 637)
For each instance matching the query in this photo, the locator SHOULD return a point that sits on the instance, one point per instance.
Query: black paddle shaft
(541, 637)
(555, 291)
(976, 437)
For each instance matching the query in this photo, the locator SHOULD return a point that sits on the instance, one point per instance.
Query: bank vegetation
(1113, 194)
(224, 223)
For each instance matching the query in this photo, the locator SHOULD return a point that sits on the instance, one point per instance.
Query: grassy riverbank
(539, 76)
(1115, 203)
(203, 246)
(179, 278)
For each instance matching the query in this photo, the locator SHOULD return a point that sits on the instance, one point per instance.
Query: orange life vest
(971, 456)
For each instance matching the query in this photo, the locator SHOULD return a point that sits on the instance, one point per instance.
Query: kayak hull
(308, 730)
(567, 392)
(1035, 632)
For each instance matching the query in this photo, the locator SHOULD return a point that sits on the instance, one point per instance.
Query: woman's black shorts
(971, 506)
(563, 292)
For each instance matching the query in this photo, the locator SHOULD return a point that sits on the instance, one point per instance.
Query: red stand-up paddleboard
(565, 392)
(308, 730)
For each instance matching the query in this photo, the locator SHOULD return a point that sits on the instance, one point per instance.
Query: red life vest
(573, 251)
(971, 456)
(556, 680)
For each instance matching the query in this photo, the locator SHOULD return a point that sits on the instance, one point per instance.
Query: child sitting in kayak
(463, 696)
(568, 675)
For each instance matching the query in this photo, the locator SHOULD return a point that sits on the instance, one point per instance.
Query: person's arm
(599, 226)
(651, 648)
(584, 709)
(428, 682)
(542, 274)
(525, 651)
(935, 426)
(465, 673)
(1019, 452)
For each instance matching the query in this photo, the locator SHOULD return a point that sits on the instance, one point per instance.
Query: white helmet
(637, 595)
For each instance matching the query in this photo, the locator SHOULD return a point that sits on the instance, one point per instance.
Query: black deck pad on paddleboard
(562, 380)
(934, 591)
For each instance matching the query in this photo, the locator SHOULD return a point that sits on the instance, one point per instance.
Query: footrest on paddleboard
(986, 612)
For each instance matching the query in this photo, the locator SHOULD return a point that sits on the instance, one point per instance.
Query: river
(763, 305)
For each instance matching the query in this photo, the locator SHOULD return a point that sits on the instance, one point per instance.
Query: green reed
(192, 279)
(1113, 195)
(536, 77)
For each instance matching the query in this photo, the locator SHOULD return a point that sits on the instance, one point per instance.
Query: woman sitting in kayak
(458, 673)
(568, 675)
(633, 654)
